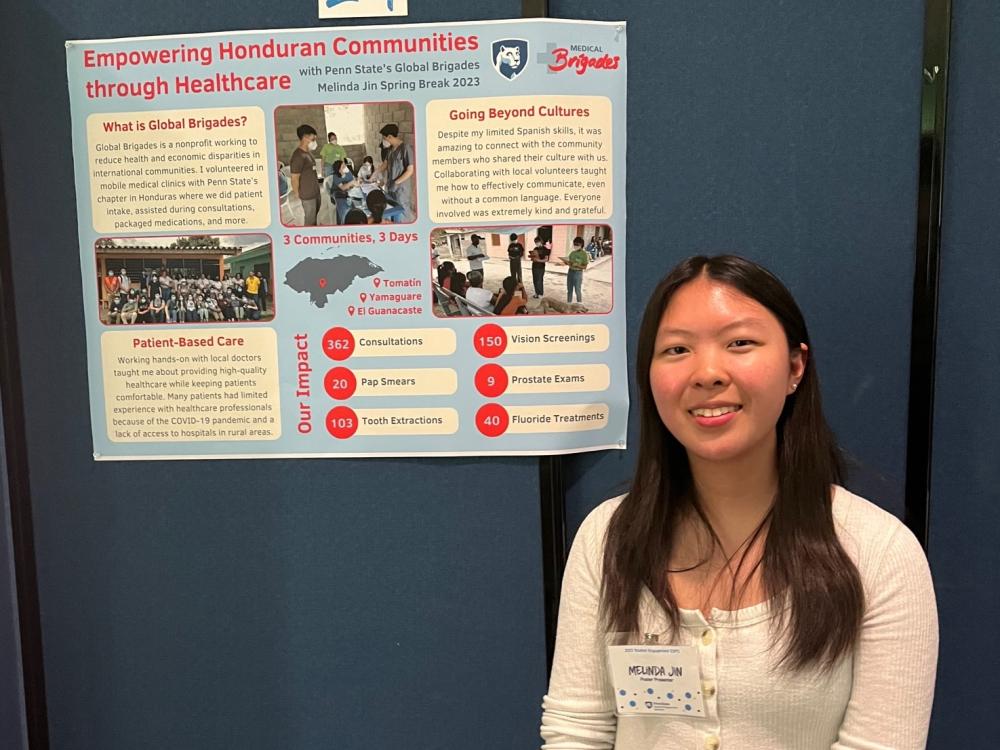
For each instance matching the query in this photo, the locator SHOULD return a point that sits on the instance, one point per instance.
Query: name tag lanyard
(655, 680)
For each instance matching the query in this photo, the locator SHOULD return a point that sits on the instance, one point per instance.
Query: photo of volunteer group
(346, 164)
(522, 270)
(189, 279)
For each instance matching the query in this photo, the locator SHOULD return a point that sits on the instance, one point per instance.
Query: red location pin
(322, 283)
(376, 281)
(363, 296)
(350, 309)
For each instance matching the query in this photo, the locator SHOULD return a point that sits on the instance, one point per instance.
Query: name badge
(656, 680)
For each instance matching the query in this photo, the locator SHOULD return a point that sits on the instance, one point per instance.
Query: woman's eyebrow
(751, 321)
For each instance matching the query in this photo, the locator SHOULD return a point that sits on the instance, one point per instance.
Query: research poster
(367, 241)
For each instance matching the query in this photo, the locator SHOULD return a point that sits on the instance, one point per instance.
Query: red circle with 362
(338, 343)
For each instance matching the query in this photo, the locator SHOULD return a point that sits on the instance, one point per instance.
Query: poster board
(284, 329)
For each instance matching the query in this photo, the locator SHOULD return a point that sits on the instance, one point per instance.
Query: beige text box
(556, 339)
(179, 386)
(404, 342)
(407, 421)
(178, 170)
(441, 381)
(557, 418)
(519, 158)
(557, 378)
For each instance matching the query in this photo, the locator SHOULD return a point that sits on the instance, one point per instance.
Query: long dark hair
(376, 204)
(803, 564)
(509, 288)
(445, 270)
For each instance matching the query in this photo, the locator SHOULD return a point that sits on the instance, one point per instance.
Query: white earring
(794, 386)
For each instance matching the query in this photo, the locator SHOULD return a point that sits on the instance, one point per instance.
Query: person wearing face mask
(366, 172)
(331, 152)
(303, 168)
(112, 284)
(345, 191)
(399, 171)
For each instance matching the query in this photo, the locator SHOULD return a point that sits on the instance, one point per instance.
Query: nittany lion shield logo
(510, 57)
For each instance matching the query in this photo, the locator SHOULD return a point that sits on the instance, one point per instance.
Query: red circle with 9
(491, 380)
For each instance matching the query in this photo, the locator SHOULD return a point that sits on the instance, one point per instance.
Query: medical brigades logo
(510, 57)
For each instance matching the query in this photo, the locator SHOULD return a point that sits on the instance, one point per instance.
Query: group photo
(346, 164)
(560, 269)
(185, 279)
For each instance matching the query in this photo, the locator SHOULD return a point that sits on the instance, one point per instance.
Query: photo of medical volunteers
(346, 164)
(522, 270)
(185, 279)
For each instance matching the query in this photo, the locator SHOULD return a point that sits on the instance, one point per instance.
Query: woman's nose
(709, 371)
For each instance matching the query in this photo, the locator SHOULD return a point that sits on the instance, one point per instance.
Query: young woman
(459, 283)
(513, 299)
(157, 310)
(444, 272)
(366, 172)
(808, 610)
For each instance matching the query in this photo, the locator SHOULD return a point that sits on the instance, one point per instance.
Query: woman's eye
(674, 350)
(742, 343)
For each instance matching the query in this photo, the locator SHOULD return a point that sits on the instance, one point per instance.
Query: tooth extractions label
(385, 240)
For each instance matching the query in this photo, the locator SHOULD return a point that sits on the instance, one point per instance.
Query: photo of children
(346, 164)
(184, 279)
(522, 270)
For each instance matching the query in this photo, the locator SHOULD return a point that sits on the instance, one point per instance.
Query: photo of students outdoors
(189, 279)
(523, 270)
(346, 164)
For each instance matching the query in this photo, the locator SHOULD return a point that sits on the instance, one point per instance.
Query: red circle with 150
(491, 380)
(340, 383)
(490, 340)
(492, 420)
(341, 422)
(338, 343)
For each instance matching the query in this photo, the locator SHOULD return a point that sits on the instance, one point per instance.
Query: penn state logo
(510, 57)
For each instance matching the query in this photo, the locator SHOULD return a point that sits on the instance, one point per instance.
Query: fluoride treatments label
(364, 241)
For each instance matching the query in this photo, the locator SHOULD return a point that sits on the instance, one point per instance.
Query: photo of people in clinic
(523, 270)
(346, 164)
(185, 279)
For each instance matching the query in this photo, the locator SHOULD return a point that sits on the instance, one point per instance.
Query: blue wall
(347, 603)
(965, 484)
(787, 133)
(13, 732)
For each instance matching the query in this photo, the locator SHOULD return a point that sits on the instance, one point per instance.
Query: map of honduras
(321, 277)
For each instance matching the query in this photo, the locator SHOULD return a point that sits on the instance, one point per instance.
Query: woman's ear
(799, 357)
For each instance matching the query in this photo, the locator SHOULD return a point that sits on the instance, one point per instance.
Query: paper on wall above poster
(362, 8)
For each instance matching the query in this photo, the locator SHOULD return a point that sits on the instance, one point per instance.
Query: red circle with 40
(492, 420)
